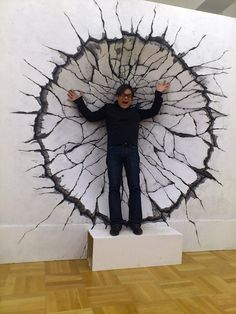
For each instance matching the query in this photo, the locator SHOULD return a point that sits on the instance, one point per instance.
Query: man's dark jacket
(122, 124)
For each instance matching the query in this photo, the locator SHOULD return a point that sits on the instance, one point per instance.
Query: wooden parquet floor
(204, 283)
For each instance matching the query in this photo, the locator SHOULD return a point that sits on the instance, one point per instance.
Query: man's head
(124, 95)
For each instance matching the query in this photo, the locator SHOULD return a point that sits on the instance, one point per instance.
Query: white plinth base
(159, 245)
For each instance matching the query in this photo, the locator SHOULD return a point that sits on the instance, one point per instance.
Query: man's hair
(120, 90)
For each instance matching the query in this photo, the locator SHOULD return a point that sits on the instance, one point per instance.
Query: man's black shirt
(122, 124)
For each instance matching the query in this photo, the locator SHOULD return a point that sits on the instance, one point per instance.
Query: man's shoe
(136, 228)
(115, 229)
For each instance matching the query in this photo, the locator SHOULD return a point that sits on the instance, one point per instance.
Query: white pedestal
(158, 245)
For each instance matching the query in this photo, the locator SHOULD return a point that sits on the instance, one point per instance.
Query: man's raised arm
(100, 114)
(148, 113)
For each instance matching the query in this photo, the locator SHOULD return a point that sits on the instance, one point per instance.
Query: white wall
(27, 27)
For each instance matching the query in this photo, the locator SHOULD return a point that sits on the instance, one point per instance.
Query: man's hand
(162, 87)
(73, 95)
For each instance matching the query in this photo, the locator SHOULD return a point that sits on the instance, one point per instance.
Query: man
(122, 122)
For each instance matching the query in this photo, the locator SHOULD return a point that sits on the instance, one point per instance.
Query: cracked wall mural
(175, 146)
(54, 174)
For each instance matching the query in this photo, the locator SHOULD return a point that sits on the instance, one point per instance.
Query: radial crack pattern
(175, 146)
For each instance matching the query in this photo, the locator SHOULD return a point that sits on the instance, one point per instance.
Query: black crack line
(222, 93)
(195, 123)
(94, 142)
(74, 165)
(31, 95)
(115, 76)
(42, 221)
(174, 61)
(159, 215)
(81, 144)
(44, 75)
(118, 18)
(157, 166)
(144, 190)
(146, 129)
(60, 189)
(184, 54)
(202, 65)
(176, 123)
(176, 35)
(151, 56)
(212, 74)
(163, 36)
(105, 36)
(68, 193)
(45, 135)
(193, 223)
(107, 42)
(26, 112)
(153, 69)
(93, 72)
(151, 174)
(175, 132)
(161, 168)
(48, 88)
(87, 188)
(164, 142)
(55, 149)
(155, 208)
(102, 19)
(34, 167)
(81, 41)
(83, 169)
(67, 220)
(92, 150)
(163, 76)
(60, 52)
(104, 94)
(153, 19)
(165, 209)
(163, 188)
(83, 255)
(142, 127)
(178, 102)
(181, 154)
(50, 82)
(190, 82)
(144, 42)
(83, 79)
(195, 183)
(44, 188)
(134, 67)
(41, 86)
(94, 163)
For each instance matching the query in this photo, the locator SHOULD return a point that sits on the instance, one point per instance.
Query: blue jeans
(118, 156)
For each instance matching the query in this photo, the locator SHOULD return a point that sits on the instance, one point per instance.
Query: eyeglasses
(129, 96)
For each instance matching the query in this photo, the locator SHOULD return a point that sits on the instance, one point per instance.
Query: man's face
(125, 99)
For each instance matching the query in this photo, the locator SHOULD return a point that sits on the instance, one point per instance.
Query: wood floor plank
(10, 305)
(204, 283)
(108, 295)
(77, 311)
(127, 308)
